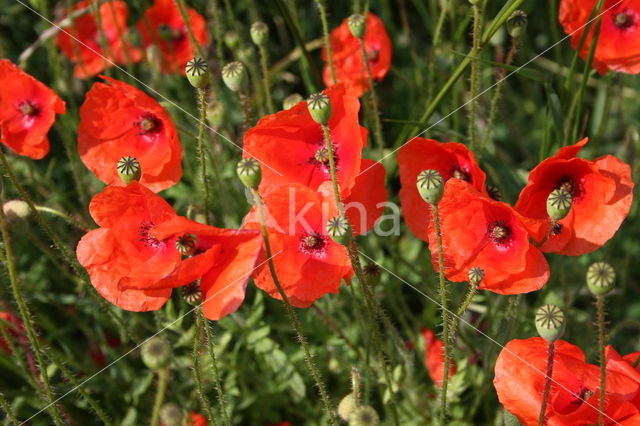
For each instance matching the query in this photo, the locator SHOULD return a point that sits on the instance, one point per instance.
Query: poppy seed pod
(16, 209)
(550, 322)
(372, 271)
(494, 192)
(259, 33)
(517, 24)
(559, 203)
(231, 39)
(347, 406)
(171, 414)
(233, 75)
(600, 278)
(129, 169)
(339, 230)
(476, 275)
(192, 293)
(430, 186)
(156, 353)
(186, 244)
(357, 25)
(292, 100)
(319, 107)
(197, 72)
(249, 172)
(364, 416)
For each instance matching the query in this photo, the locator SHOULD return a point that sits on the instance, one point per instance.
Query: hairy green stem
(202, 155)
(7, 409)
(547, 383)
(196, 370)
(264, 64)
(246, 111)
(216, 370)
(325, 35)
(163, 377)
(27, 319)
(435, 45)
(455, 321)
(332, 325)
(603, 360)
(81, 226)
(315, 372)
(373, 111)
(475, 71)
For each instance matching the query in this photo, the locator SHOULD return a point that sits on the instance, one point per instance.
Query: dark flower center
(557, 228)
(499, 233)
(312, 243)
(149, 124)
(144, 231)
(373, 55)
(568, 184)
(27, 108)
(168, 33)
(623, 20)
(458, 173)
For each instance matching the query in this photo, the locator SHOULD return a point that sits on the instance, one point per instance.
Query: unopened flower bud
(129, 169)
(259, 33)
(233, 75)
(550, 322)
(156, 353)
(186, 245)
(231, 39)
(16, 210)
(197, 72)
(192, 293)
(347, 406)
(319, 107)
(475, 275)
(339, 230)
(372, 273)
(430, 186)
(559, 203)
(517, 23)
(357, 25)
(364, 416)
(600, 278)
(249, 172)
(171, 414)
(292, 100)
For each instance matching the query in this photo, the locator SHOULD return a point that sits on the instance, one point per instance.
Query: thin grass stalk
(202, 155)
(464, 305)
(7, 409)
(217, 32)
(315, 372)
(603, 360)
(475, 71)
(204, 401)
(435, 45)
(264, 64)
(216, 371)
(27, 319)
(163, 377)
(547, 383)
(322, 7)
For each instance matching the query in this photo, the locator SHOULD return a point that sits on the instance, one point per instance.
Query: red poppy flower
(451, 159)
(27, 111)
(347, 55)
(573, 399)
(366, 201)
(13, 325)
(82, 43)
(602, 192)
(162, 25)
(134, 263)
(489, 234)
(434, 357)
(118, 120)
(196, 419)
(291, 147)
(309, 264)
(618, 46)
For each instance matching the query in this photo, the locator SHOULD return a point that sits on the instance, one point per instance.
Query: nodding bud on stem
(292, 100)
(364, 415)
(559, 203)
(517, 24)
(16, 209)
(171, 414)
(347, 406)
(249, 172)
(156, 353)
(357, 25)
(550, 322)
(197, 72)
(601, 278)
(319, 107)
(259, 33)
(129, 169)
(475, 275)
(339, 230)
(233, 75)
(430, 186)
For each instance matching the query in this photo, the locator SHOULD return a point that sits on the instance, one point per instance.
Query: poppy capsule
(559, 203)
(550, 322)
(129, 169)
(259, 33)
(156, 353)
(249, 172)
(197, 72)
(430, 186)
(357, 25)
(600, 278)
(319, 108)
(339, 230)
(233, 75)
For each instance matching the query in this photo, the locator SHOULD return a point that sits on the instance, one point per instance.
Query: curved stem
(7, 409)
(455, 321)
(475, 70)
(547, 383)
(445, 314)
(202, 155)
(603, 360)
(26, 318)
(196, 370)
(214, 367)
(327, 43)
(81, 226)
(315, 372)
(163, 376)
(264, 63)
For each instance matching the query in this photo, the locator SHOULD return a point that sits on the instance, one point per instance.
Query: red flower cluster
(135, 257)
(296, 188)
(162, 25)
(434, 357)
(573, 399)
(28, 109)
(478, 231)
(83, 42)
(618, 43)
(118, 120)
(347, 55)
